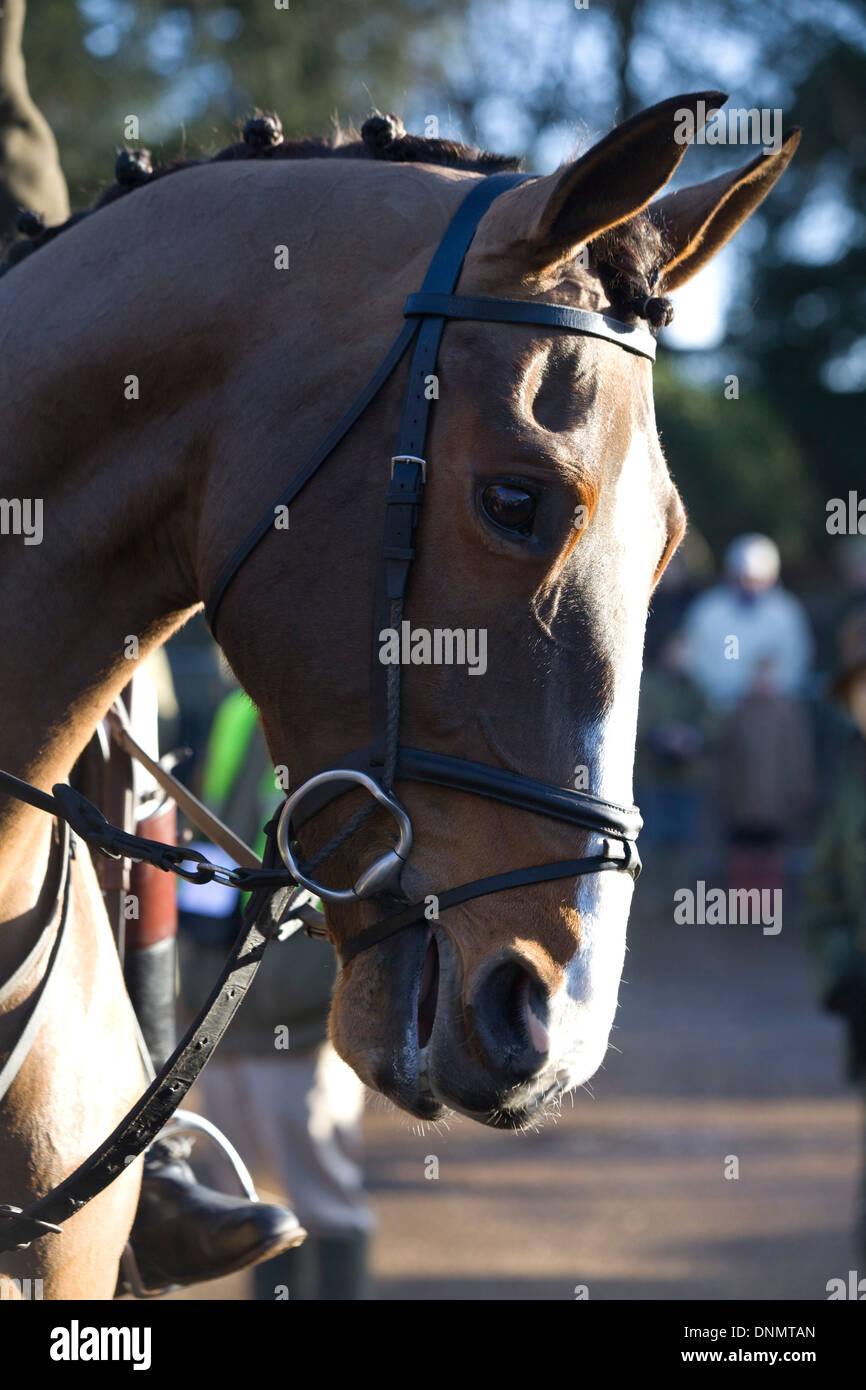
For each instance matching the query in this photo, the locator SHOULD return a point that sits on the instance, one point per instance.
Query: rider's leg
(300, 1114)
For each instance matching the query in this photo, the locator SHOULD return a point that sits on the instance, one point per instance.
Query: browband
(584, 321)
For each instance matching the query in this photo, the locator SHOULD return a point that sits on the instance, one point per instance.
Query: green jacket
(293, 988)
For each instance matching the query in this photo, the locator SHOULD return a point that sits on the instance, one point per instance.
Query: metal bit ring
(381, 874)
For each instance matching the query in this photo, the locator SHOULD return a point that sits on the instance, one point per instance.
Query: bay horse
(165, 361)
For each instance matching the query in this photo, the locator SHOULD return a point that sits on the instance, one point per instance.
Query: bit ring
(381, 874)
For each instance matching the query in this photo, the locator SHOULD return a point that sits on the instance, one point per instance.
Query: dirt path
(721, 1053)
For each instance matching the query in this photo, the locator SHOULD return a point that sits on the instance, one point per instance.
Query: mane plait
(380, 138)
(629, 258)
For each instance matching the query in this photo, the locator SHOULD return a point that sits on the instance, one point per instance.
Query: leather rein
(281, 885)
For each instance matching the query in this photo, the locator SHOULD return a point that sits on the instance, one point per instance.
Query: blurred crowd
(751, 757)
(740, 743)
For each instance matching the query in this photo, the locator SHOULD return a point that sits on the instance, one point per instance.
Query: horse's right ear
(610, 183)
(697, 221)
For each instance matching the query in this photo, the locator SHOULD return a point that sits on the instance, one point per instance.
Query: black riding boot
(184, 1233)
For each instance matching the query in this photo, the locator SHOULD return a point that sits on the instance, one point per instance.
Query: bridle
(274, 889)
(377, 767)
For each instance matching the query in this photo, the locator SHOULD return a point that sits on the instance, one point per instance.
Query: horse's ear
(697, 221)
(611, 182)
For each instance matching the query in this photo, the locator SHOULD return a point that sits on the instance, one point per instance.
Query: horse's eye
(510, 507)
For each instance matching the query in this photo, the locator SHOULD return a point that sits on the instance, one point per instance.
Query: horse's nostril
(428, 992)
(534, 1007)
(509, 1012)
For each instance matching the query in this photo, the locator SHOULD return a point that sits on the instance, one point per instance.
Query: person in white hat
(746, 624)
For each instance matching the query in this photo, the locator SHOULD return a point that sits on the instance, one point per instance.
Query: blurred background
(784, 303)
(717, 1153)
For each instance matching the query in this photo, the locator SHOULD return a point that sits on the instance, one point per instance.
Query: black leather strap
(497, 784)
(308, 470)
(408, 467)
(497, 883)
(438, 285)
(444, 268)
(493, 783)
(140, 1126)
(454, 306)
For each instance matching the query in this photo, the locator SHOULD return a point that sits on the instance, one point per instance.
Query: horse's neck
(92, 592)
(53, 693)
(136, 394)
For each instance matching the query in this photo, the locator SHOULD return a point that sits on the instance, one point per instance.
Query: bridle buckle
(410, 458)
(629, 861)
(383, 873)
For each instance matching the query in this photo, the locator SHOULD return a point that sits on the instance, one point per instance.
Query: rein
(275, 886)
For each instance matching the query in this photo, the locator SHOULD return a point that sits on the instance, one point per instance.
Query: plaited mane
(627, 258)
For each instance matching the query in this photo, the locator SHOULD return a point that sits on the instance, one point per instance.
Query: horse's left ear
(697, 221)
(543, 222)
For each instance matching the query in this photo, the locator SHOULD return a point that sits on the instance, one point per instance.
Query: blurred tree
(809, 345)
(542, 78)
(191, 72)
(737, 462)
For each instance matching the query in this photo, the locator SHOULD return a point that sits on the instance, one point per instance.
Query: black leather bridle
(377, 768)
(268, 914)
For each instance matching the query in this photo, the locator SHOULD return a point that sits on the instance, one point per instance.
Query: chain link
(99, 834)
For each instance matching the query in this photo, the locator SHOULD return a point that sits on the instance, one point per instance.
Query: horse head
(549, 518)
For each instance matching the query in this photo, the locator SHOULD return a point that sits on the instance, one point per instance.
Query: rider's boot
(184, 1232)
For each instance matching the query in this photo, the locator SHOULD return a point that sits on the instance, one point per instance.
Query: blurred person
(840, 590)
(31, 181)
(277, 1084)
(836, 887)
(674, 737)
(747, 619)
(766, 778)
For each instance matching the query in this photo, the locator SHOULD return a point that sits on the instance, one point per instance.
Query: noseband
(385, 761)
